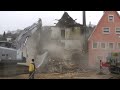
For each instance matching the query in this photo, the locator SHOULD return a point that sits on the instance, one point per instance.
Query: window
(95, 45)
(106, 30)
(3, 54)
(111, 18)
(117, 30)
(118, 45)
(102, 45)
(111, 46)
(63, 34)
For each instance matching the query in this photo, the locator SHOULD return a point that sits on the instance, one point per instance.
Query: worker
(101, 66)
(32, 69)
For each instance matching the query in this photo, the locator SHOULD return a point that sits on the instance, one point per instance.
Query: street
(75, 75)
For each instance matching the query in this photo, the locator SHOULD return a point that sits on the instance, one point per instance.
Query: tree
(4, 36)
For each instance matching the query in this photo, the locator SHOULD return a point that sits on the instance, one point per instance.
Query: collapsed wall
(64, 54)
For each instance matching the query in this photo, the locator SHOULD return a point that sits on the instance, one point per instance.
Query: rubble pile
(59, 65)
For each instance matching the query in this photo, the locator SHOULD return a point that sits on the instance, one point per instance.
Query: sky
(13, 20)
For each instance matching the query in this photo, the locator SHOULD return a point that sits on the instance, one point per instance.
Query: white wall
(9, 39)
(72, 44)
(56, 33)
(69, 43)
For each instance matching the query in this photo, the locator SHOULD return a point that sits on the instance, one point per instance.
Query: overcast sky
(13, 20)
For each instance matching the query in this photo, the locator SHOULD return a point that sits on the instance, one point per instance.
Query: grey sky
(13, 20)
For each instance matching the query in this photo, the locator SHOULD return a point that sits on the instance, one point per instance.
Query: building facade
(68, 36)
(104, 39)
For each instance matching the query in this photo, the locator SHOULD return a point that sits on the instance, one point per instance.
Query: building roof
(66, 21)
(100, 21)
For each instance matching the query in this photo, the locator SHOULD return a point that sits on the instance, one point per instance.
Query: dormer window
(111, 18)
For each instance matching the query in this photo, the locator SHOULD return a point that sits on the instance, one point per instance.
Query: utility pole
(84, 33)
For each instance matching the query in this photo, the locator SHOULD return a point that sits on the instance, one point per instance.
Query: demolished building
(60, 45)
(68, 36)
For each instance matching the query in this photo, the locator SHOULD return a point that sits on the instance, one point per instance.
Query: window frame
(117, 46)
(93, 45)
(115, 30)
(105, 32)
(101, 45)
(109, 18)
(113, 45)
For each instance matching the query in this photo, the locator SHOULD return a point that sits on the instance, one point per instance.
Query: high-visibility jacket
(31, 67)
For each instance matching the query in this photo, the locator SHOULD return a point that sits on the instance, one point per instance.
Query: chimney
(84, 32)
(84, 24)
(84, 19)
